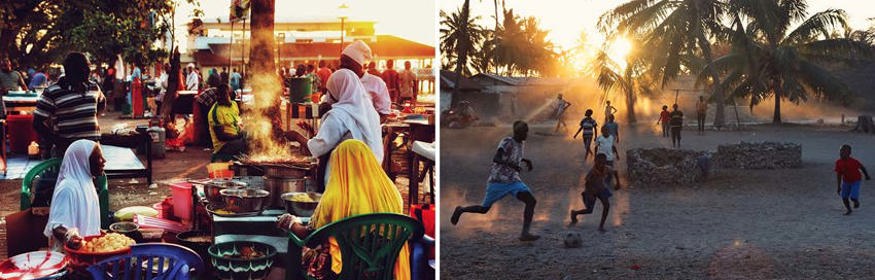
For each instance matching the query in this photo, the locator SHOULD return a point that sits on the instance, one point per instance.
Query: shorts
(497, 191)
(851, 190)
(589, 199)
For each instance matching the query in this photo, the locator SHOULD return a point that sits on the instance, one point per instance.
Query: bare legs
(528, 213)
(606, 205)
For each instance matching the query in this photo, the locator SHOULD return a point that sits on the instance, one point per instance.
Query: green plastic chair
(369, 243)
(54, 165)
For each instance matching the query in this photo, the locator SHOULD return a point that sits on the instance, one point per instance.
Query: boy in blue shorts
(596, 187)
(504, 180)
(848, 178)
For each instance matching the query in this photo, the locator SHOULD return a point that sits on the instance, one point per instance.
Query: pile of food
(107, 243)
(304, 197)
(246, 253)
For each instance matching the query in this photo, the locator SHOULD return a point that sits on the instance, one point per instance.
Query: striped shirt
(73, 114)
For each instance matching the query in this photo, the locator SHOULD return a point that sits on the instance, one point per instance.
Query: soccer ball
(573, 240)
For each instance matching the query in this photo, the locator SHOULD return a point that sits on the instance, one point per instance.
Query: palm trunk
(776, 118)
(630, 106)
(717, 94)
(462, 49)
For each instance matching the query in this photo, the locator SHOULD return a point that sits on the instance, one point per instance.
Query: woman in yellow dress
(356, 185)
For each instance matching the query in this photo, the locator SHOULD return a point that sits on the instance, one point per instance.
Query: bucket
(182, 200)
(220, 170)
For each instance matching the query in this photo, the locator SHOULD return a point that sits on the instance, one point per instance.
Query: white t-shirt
(606, 146)
(378, 92)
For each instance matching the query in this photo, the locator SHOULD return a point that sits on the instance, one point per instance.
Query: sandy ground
(740, 224)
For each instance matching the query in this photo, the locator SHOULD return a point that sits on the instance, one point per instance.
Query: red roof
(385, 47)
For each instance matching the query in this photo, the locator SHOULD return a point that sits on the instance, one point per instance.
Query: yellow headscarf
(358, 185)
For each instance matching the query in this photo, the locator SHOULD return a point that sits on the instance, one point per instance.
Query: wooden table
(420, 130)
(20, 102)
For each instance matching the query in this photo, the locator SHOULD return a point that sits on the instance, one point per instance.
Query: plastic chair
(53, 166)
(369, 243)
(150, 261)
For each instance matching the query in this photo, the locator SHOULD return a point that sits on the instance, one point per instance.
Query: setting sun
(619, 48)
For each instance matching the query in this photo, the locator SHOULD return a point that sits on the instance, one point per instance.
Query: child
(848, 177)
(664, 118)
(596, 187)
(588, 125)
(504, 180)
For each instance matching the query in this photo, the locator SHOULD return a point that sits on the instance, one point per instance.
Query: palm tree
(768, 59)
(673, 29)
(631, 79)
(460, 35)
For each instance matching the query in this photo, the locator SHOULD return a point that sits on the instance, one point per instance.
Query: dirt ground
(739, 224)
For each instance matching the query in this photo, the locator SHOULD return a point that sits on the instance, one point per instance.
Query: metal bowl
(245, 199)
(129, 229)
(297, 206)
(214, 187)
(279, 186)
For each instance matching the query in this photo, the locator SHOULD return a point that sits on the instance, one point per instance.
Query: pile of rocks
(759, 155)
(661, 167)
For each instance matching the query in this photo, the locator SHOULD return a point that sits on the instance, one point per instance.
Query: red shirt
(664, 116)
(849, 169)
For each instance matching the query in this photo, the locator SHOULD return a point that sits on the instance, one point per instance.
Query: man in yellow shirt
(224, 119)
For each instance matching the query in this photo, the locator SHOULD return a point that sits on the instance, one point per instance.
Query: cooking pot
(279, 186)
(245, 199)
(213, 188)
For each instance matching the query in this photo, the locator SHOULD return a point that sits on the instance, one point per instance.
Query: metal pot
(299, 207)
(213, 188)
(279, 186)
(286, 170)
(245, 199)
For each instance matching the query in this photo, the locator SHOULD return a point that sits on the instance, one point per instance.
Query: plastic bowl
(227, 267)
(81, 260)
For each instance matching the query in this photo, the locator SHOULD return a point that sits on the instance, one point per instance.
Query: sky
(567, 19)
(410, 19)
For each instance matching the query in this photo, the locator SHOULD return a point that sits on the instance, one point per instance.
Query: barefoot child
(848, 177)
(588, 127)
(596, 187)
(504, 180)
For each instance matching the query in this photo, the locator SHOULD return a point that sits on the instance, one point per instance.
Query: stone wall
(666, 167)
(759, 155)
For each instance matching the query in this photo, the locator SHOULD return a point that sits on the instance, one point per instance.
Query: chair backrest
(53, 165)
(27, 191)
(150, 261)
(369, 244)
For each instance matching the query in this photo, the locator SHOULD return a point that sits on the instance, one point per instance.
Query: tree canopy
(39, 32)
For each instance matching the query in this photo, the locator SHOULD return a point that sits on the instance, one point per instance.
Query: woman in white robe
(75, 208)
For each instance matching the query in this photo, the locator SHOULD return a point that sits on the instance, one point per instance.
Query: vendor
(75, 210)
(67, 111)
(352, 116)
(358, 185)
(353, 58)
(225, 130)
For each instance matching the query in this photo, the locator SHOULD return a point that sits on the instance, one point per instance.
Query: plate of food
(37, 264)
(222, 212)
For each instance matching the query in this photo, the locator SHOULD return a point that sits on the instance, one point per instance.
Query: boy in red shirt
(848, 177)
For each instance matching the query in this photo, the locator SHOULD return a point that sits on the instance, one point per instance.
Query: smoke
(264, 119)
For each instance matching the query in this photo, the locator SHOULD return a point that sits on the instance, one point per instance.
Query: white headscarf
(353, 113)
(74, 202)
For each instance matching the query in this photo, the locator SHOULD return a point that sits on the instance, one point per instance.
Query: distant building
(307, 42)
(519, 96)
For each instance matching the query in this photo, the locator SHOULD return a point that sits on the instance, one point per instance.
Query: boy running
(504, 180)
(588, 125)
(848, 177)
(606, 145)
(595, 187)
